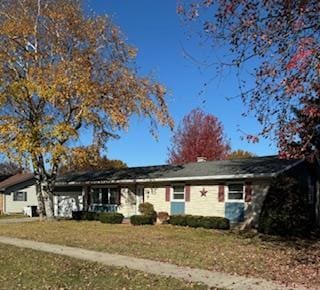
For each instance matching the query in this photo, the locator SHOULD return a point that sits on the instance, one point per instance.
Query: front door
(177, 205)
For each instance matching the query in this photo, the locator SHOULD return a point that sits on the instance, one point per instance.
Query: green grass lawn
(289, 262)
(12, 216)
(28, 269)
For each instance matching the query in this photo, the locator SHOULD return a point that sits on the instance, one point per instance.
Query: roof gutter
(169, 179)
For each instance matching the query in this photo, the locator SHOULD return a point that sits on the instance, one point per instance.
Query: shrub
(163, 217)
(111, 217)
(146, 208)
(194, 221)
(285, 210)
(141, 220)
(178, 220)
(91, 216)
(85, 215)
(77, 215)
(213, 222)
(206, 222)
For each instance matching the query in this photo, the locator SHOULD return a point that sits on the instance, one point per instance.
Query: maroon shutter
(168, 187)
(221, 193)
(119, 196)
(248, 192)
(187, 192)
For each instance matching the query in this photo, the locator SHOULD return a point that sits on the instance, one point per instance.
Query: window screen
(235, 191)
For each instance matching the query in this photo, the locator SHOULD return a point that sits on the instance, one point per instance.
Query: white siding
(207, 205)
(198, 205)
(128, 206)
(12, 206)
(157, 196)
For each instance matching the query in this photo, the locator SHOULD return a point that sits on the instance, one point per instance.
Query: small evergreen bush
(207, 222)
(141, 220)
(111, 217)
(85, 216)
(178, 220)
(147, 209)
(77, 215)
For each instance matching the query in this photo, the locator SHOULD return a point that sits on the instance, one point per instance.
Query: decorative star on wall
(203, 192)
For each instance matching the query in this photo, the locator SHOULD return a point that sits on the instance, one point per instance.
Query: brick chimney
(201, 159)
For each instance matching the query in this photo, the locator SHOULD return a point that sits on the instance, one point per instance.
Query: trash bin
(34, 210)
(27, 211)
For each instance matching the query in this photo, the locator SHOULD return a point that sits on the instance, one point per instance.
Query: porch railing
(103, 208)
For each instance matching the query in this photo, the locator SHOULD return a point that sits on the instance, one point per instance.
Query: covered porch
(124, 199)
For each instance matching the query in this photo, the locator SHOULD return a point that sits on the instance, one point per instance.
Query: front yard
(288, 262)
(12, 216)
(28, 269)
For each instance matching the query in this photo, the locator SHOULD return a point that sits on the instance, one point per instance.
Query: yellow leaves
(62, 131)
(67, 71)
(132, 52)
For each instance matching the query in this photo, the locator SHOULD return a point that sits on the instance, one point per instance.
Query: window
(20, 196)
(178, 192)
(113, 194)
(96, 195)
(105, 195)
(235, 191)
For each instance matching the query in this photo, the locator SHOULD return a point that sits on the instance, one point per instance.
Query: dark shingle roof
(251, 167)
(14, 180)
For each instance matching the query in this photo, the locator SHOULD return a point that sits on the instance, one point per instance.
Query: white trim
(103, 186)
(170, 179)
(177, 179)
(100, 195)
(242, 200)
(172, 192)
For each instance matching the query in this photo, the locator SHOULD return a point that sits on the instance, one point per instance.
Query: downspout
(4, 202)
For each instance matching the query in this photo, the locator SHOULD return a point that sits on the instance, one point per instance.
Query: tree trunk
(47, 191)
(48, 201)
(41, 206)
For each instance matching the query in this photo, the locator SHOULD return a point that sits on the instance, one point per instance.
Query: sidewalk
(212, 279)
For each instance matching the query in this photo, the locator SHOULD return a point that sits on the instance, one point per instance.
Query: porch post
(86, 197)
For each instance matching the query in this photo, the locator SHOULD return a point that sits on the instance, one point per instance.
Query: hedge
(85, 215)
(206, 222)
(111, 217)
(137, 220)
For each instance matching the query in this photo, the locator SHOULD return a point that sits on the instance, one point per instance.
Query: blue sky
(156, 30)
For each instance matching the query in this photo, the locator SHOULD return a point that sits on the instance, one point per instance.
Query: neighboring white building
(17, 192)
